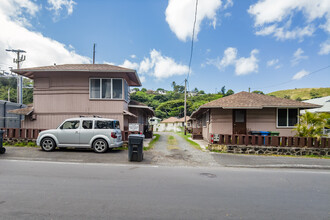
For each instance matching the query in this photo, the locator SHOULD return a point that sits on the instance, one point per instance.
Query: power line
(192, 40)
(286, 82)
(185, 81)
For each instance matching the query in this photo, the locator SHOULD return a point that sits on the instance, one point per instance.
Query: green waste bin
(2, 149)
(274, 133)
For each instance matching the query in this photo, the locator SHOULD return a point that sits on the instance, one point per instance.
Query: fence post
(309, 142)
(240, 139)
(260, 140)
(323, 142)
(275, 141)
(302, 142)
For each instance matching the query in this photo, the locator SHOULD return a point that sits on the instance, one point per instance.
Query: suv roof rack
(97, 116)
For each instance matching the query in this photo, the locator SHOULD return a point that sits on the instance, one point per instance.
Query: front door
(239, 121)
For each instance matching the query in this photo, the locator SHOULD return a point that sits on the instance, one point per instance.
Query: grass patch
(276, 155)
(152, 142)
(172, 143)
(192, 143)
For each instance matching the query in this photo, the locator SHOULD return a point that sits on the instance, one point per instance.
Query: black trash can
(254, 132)
(2, 149)
(135, 147)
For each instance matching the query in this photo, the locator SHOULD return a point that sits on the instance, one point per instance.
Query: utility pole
(249, 89)
(20, 58)
(94, 54)
(185, 107)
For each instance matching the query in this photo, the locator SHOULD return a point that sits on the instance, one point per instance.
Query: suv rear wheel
(48, 144)
(100, 146)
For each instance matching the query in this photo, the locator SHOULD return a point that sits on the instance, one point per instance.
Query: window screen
(94, 88)
(106, 88)
(117, 89)
(282, 117)
(293, 117)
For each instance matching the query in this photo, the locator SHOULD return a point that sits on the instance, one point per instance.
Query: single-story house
(73, 90)
(172, 124)
(243, 112)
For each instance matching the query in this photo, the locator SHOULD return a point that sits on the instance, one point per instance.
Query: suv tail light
(113, 135)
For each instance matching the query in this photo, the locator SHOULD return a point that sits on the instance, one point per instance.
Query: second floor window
(106, 88)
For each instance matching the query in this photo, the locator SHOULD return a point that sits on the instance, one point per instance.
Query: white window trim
(100, 78)
(287, 118)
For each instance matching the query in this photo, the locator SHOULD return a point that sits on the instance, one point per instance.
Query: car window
(87, 124)
(104, 125)
(116, 124)
(70, 125)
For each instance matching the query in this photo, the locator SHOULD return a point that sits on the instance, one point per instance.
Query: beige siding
(50, 121)
(265, 120)
(59, 96)
(221, 121)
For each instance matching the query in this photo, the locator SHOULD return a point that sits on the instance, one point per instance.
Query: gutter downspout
(4, 114)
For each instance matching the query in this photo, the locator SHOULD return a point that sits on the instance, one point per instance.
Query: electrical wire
(283, 83)
(192, 41)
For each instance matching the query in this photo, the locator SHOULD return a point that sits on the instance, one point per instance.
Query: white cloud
(40, 50)
(180, 15)
(142, 79)
(298, 56)
(247, 65)
(228, 4)
(243, 65)
(325, 48)
(58, 5)
(157, 65)
(273, 17)
(272, 62)
(133, 56)
(300, 75)
(161, 66)
(130, 65)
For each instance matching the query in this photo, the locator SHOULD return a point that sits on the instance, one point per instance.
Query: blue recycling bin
(264, 133)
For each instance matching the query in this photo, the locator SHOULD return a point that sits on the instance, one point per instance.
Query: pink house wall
(221, 122)
(63, 95)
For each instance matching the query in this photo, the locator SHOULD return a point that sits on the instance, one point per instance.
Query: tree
(223, 90)
(258, 92)
(298, 99)
(287, 97)
(229, 92)
(311, 125)
(143, 90)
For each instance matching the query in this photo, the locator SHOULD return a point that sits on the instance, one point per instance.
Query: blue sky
(266, 45)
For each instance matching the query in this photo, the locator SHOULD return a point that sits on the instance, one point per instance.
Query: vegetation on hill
(302, 94)
(171, 103)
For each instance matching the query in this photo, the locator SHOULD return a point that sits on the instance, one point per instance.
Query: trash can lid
(136, 136)
(264, 132)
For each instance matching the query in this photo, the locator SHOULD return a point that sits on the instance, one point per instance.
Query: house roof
(174, 119)
(170, 120)
(323, 101)
(136, 104)
(246, 100)
(101, 68)
(182, 119)
(22, 111)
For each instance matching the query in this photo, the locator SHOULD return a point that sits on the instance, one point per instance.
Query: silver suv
(97, 133)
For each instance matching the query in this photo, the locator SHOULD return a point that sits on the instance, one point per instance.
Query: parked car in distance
(99, 134)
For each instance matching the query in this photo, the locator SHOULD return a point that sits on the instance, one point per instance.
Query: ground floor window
(287, 117)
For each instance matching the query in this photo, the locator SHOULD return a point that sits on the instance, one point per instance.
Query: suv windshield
(106, 125)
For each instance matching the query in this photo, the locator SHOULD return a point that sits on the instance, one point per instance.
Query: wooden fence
(21, 133)
(279, 141)
(32, 134)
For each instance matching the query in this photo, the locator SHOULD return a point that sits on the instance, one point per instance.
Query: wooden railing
(21, 133)
(279, 141)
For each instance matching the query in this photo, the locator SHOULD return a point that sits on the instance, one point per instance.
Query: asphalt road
(59, 190)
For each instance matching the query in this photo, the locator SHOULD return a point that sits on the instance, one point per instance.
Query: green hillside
(303, 93)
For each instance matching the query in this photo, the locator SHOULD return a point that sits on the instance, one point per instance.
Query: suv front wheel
(48, 144)
(100, 146)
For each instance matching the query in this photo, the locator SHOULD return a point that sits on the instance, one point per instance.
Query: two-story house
(73, 90)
